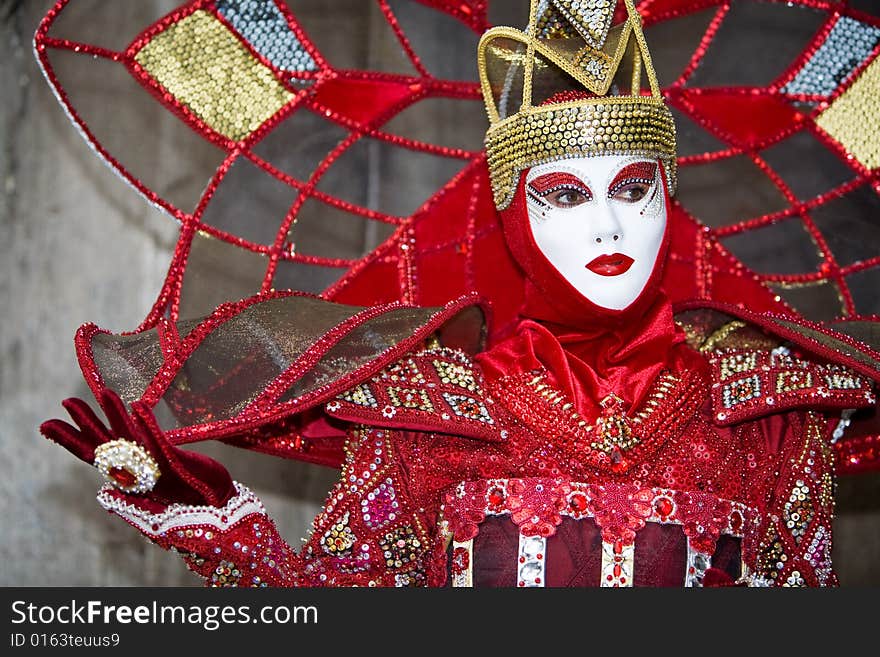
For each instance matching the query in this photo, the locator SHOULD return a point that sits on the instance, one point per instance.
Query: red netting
(362, 178)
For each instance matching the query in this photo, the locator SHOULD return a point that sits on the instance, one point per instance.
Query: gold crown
(570, 85)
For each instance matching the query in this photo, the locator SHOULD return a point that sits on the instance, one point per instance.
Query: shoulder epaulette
(436, 390)
(749, 383)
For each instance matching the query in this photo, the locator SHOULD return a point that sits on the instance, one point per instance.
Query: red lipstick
(610, 265)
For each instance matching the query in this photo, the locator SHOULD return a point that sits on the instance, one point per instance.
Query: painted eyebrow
(644, 172)
(551, 182)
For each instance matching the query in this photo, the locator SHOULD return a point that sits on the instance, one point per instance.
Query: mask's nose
(605, 228)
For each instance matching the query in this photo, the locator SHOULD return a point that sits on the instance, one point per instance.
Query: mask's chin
(611, 292)
(617, 295)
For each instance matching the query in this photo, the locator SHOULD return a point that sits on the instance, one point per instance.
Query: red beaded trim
(537, 506)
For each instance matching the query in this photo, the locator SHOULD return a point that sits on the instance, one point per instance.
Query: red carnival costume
(587, 447)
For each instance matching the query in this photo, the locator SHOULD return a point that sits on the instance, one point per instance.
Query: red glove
(184, 477)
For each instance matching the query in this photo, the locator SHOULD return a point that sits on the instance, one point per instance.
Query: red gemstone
(736, 521)
(461, 559)
(578, 502)
(496, 496)
(122, 477)
(620, 466)
(664, 506)
(617, 570)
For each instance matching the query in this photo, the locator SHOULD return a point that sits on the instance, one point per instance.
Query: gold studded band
(623, 125)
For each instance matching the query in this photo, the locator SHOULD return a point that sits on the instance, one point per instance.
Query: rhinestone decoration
(380, 506)
(127, 466)
(615, 431)
(794, 580)
(819, 554)
(411, 398)
(617, 564)
(414, 578)
(225, 574)
(789, 381)
(456, 374)
(406, 370)
(843, 380)
(741, 391)
(400, 547)
(265, 28)
(779, 380)
(552, 24)
(848, 44)
(854, 117)
(531, 559)
(462, 564)
(591, 18)
(339, 539)
(772, 559)
(697, 565)
(737, 364)
(798, 511)
(468, 407)
(201, 63)
(360, 395)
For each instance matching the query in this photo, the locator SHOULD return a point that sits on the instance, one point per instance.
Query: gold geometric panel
(854, 117)
(208, 70)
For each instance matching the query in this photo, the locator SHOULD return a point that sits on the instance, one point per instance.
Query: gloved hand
(184, 477)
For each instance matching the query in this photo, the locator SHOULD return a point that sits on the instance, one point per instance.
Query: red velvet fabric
(590, 351)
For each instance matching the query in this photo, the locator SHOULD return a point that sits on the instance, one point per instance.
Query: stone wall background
(77, 245)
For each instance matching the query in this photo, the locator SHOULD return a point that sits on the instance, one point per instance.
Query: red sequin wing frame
(780, 115)
(426, 255)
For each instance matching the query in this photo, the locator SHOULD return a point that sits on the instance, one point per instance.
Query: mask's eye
(560, 189)
(631, 193)
(633, 182)
(568, 197)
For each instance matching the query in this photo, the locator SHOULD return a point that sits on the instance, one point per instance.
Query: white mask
(600, 222)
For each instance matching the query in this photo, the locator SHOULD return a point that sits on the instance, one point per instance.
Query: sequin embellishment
(848, 44)
(265, 28)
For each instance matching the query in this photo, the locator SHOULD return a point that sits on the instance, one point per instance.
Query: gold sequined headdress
(570, 85)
